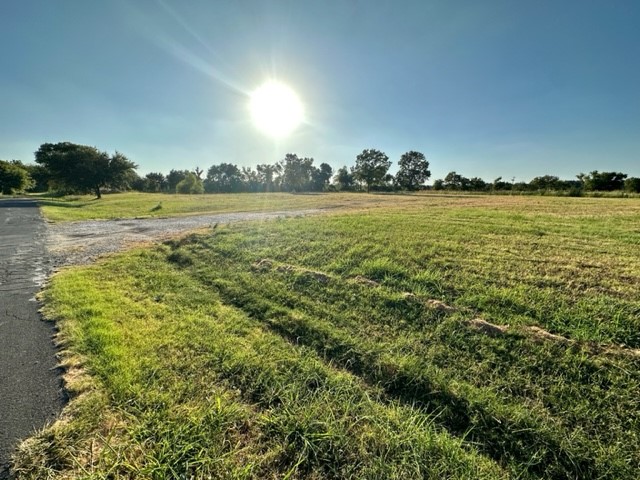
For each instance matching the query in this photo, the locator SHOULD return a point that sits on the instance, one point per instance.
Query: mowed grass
(154, 205)
(341, 346)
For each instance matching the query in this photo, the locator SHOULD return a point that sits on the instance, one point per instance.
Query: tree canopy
(371, 167)
(13, 177)
(413, 170)
(84, 169)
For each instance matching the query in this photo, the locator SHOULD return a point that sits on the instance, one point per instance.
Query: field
(149, 205)
(416, 337)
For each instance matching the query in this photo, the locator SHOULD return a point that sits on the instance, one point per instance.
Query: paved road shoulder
(31, 393)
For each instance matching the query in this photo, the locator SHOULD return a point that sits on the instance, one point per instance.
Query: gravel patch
(80, 243)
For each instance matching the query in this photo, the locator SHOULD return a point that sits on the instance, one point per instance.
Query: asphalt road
(31, 393)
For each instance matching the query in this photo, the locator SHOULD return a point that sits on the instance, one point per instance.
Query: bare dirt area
(80, 243)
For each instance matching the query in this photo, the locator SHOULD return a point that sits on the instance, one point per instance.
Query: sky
(486, 88)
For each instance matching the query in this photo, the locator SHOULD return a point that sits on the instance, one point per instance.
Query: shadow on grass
(60, 203)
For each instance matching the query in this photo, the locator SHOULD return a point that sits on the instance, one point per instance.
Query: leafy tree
(190, 184)
(602, 181)
(344, 179)
(13, 177)
(477, 184)
(175, 177)
(268, 174)
(546, 182)
(83, 169)
(455, 181)
(632, 185)
(225, 177)
(371, 167)
(438, 184)
(320, 177)
(413, 170)
(297, 172)
(251, 180)
(155, 182)
(499, 184)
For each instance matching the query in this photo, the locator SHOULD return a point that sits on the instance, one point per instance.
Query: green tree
(632, 185)
(545, 182)
(371, 167)
(413, 170)
(190, 184)
(13, 177)
(223, 178)
(344, 179)
(175, 177)
(602, 181)
(83, 169)
(455, 181)
(477, 184)
(297, 172)
(155, 182)
(268, 174)
(320, 177)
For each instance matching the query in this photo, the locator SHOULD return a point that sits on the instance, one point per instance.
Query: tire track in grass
(512, 440)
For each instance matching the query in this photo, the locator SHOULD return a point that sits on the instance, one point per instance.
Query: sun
(276, 109)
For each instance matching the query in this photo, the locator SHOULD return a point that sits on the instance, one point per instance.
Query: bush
(190, 185)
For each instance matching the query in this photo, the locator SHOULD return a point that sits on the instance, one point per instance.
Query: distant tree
(155, 182)
(602, 181)
(498, 184)
(455, 181)
(546, 182)
(175, 177)
(476, 184)
(297, 172)
(190, 184)
(83, 169)
(267, 175)
(438, 184)
(371, 167)
(320, 177)
(251, 180)
(225, 177)
(413, 170)
(632, 185)
(344, 179)
(13, 177)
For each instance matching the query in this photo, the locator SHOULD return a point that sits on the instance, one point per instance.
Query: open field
(145, 205)
(418, 337)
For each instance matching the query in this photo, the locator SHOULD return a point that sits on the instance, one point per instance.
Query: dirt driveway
(78, 243)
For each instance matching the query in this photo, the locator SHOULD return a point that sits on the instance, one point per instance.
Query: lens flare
(276, 109)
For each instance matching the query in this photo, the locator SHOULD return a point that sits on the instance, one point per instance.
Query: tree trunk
(97, 191)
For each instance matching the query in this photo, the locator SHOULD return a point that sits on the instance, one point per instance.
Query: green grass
(148, 205)
(266, 350)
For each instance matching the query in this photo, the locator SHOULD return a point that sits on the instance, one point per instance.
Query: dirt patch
(80, 243)
(542, 334)
(487, 328)
(266, 264)
(439, 305)
(366, 281)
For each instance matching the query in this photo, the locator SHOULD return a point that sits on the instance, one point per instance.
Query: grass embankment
(148, 205)
(313, 348)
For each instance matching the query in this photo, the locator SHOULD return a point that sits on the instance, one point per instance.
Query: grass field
(148, 205)
(460, 337)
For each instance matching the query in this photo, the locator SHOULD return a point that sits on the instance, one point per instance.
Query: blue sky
(485, 88)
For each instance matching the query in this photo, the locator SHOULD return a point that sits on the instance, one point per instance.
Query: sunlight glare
(276, 109)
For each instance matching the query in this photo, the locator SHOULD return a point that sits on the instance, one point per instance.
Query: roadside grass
(341, 346)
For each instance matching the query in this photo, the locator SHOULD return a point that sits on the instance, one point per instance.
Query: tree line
(71, 168)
